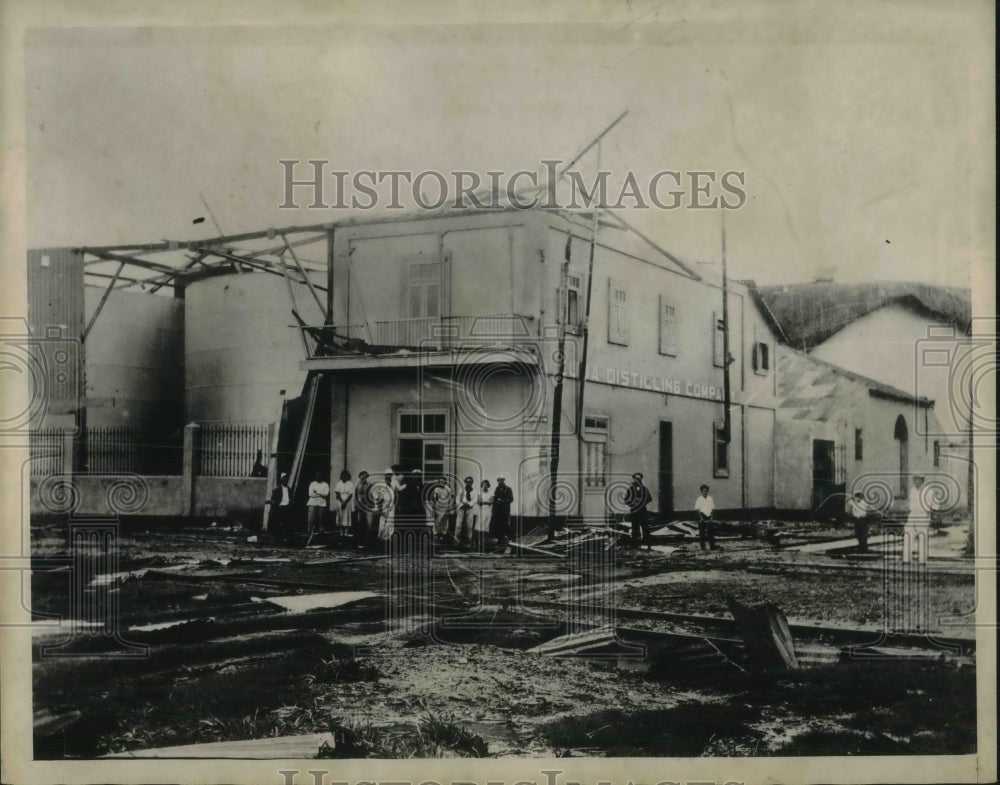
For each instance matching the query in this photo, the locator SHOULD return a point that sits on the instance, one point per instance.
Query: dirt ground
(453, 672)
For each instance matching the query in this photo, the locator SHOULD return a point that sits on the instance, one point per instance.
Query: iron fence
(230, 449)
(122, 449)
(45, 448)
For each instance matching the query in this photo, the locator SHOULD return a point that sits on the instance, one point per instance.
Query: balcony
(431, 334)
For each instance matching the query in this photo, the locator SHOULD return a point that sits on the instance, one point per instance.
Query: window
(937, 453)
(761, 358)
(572, 312)
(423, 290)
(859, 444)
(618, 331)
(718, 340)
(720, 452)
(422, 437)
(595, 454)
(668, 326)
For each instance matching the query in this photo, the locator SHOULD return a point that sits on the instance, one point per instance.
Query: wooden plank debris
(46, 723)
(521, 549)
(765, 630)
(695, 658)
(288, 747)
(603, 642)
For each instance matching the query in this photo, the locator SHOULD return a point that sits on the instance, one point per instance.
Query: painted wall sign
(622, 377)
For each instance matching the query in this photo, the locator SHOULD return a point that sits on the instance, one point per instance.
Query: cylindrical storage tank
(241, 346)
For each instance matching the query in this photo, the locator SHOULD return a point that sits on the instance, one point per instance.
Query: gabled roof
(813, 389)
(810, 313)
(766, 312)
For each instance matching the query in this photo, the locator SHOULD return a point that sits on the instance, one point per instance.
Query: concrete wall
(131, 495)
(483, 446)
(793, 463)
(229, 497)
(483, 257)
(135, 361)
(648, 279)
(241, 348)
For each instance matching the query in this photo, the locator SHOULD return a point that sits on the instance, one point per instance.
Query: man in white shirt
(861, 516)
(319, 495)
(705, 506)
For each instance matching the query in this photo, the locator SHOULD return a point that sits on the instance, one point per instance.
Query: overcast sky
(864, 129)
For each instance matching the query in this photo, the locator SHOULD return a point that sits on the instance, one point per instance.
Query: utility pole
(582, 372)
(726, 393)
(561, 351)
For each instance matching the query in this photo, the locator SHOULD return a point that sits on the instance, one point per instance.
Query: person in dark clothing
(281, 502)
(363, 508)
(259, 469)
(410, 512)
(503, 498)
(467, 499)
(638, 499)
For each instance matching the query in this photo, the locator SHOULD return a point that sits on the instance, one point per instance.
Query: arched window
(901, 434)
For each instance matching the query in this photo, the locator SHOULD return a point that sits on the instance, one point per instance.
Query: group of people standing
(372, 510)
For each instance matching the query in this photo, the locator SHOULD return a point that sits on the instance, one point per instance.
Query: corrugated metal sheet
(55, 318)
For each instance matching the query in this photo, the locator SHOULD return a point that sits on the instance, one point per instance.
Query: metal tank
(241, 348)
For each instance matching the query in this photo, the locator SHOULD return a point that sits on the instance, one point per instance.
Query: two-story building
(449, 332)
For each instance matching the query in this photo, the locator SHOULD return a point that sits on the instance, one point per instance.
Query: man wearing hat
(639, 498)
(503, 498)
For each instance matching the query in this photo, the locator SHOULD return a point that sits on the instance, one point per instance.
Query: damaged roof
(813, 389)
(809, 313)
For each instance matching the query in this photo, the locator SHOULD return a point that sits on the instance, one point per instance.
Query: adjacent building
(840, 432)
(914, 337)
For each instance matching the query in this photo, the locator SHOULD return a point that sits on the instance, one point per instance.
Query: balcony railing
(426, 334)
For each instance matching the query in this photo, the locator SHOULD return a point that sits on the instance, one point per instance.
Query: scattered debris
(697, 658)
(300, 603)
(765, 630)
(304, 746)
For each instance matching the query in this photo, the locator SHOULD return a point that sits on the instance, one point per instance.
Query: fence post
(189, 469)
(68, 450)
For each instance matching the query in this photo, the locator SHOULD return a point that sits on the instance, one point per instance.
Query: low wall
(144, 495)
(226, 497)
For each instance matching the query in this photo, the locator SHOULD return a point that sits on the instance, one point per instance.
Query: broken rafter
(104, 299)
(198, 258)
(309, 283)
(264, 265)
(132, 260)
(131, 281)
(173, 245)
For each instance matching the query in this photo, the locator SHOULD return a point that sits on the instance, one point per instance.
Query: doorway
(824, 471)
(902, 435)
(665, 476)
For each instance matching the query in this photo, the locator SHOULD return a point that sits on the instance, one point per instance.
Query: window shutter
(668, 326)
(717, 340)
(618, 316)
